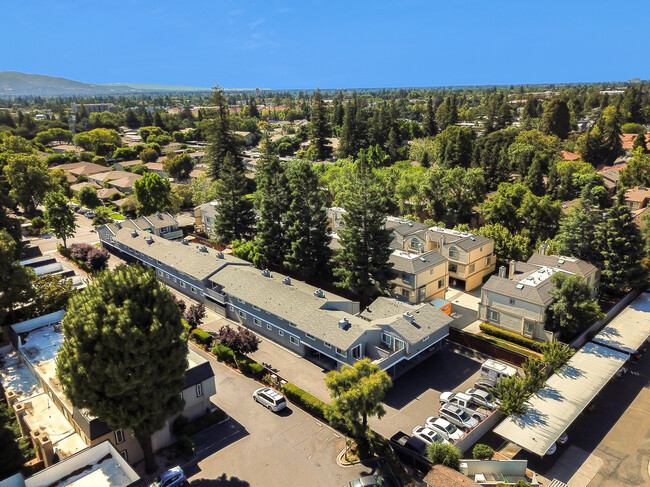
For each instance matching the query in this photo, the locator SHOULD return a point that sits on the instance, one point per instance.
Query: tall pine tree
(362, 264)
(320, 129)
(308, 234)
(576, 235)
(429, 126)
(220, 134)
(273, 199)
(234, 211)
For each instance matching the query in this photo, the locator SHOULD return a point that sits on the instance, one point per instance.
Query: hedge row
(246, 364)
(311, 404)
(201, 337)
(511, 337)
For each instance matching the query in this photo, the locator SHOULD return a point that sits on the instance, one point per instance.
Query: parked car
(174, 477)
(412, 443)
(466, 402)
(551, 450)
(483, 398)
(444, 428)
(270, 398)
(428, 435)
(457, 416)
(372, 481)
(90, 215)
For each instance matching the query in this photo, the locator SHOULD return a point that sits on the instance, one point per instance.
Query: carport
(566, 394)
(630, 329)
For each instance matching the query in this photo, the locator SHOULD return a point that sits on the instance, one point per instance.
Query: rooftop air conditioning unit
(344, 323)
(408, 316)
(185, 242)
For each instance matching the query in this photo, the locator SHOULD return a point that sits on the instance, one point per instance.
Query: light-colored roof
(184, 258)
(630, 329)
(567, 264)
(637, 194)
(157, 220)
(78, 168)
(106, 193)
(463, 240)
(425, 320)
(566, 394)
(412, 263)
(293, 302)
(114, 175)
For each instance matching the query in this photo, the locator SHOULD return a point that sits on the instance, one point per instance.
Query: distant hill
(13, 83)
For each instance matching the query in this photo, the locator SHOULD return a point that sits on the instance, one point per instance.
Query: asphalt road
(257, 447)
(85, 233)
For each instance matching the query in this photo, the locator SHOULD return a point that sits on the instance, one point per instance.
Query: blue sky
(329, 44)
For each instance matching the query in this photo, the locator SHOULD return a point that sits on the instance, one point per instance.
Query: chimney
(11, 397)
(19, 410)
(344, 323)
(408, 316)
(542, 249)
(442, 240)
(47, 449)
(502, 271)
(513, 268)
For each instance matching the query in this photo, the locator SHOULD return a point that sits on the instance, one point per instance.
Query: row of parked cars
(81, 210)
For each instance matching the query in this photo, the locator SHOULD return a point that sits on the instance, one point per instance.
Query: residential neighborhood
(238, 268)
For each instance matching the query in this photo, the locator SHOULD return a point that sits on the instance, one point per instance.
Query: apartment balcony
(215, 295)
(172, 235)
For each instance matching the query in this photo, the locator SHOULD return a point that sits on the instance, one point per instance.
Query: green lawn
(116, 216)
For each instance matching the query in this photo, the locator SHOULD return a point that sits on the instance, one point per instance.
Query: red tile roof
(569, 156)
(628, 141)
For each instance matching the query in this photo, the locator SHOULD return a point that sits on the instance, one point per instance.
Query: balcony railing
(172, 235)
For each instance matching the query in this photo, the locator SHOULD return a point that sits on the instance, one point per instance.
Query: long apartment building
(298, 316)
(55, 426)
(517, 299)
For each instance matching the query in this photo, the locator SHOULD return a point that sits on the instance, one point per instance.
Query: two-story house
(205, 216)
(420, 276)
(517, 299)
(160, 224)
(56, 426)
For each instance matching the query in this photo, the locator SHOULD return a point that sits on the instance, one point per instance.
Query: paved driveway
(464, 308)
(256, 447)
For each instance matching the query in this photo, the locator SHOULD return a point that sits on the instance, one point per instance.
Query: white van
(492, 371)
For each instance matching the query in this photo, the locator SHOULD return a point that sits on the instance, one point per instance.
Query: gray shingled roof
(407, 228)
(382, 308)
(185, 258)
(294, 303)
(575, 266)
(157, 220)
(532, 294)
(406, 262)
(462, 240)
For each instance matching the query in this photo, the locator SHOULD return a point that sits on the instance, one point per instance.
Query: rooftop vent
(220, 255)
(410, 224)
(423, 259)
(149, 240)
(319, 293)
(560, 261)
(472, 237)
(408, 316)
(202, 248)
(118, 225)
(287, 281)
(134, 233)
(266, 273)
(344, 323)
(160, 217)
(185, 242)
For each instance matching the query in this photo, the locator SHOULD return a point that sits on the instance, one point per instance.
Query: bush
(97, 258)
(447, 455)
(201, 337)
(258, 371)
(632, 128)
(482, 452)
(185, 445)
(224, 353)
(309, 403)
(38, 225)
(511, 337)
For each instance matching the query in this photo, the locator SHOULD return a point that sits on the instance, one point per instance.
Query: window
(181, 394)
(488, 260)
(356, 351)
(441, 282)
(340, 352)
(399, 344)
(426, 338)
(415, 243)
(232, 308)
(386, 339)
(512, 301)
(281, 333)
(255, 308)
(493, 315)
(175, 280)
(453, 253)
(292, 324)
(309, 336)
(269, 327)
(241, 301)
(125, 455)
(294, 340)
(327, 345)
(199, 390)
(193, 289)
(160, 273)
(453, 268)
(183, 285)
(242, 315)
(257, 322)
(119, 436)
(529, 328)
(166, 275)
(405, 293)
(472, 268)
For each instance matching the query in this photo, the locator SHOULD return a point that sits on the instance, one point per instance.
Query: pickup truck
(466, 402)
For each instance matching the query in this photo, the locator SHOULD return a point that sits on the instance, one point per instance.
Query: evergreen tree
(556, 119)
(429, 126)
(640, 143)
(254, 112)
(576, 235)
(530, 110)
(319, 128)
(273, 199)
(16, 282)
(348, 143)
(573, 308)
(610, 127)
(308, 233)
(220, 134)
(535, 177)
(363, 261)
(59, 216)
(122, 357)
(234, 211)
(621, 250)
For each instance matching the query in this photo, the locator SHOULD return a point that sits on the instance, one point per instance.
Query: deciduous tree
(60, 217)
(152, 193)
(574, 309)
(30, 180)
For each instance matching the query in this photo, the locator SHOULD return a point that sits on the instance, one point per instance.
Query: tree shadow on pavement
(222, 481)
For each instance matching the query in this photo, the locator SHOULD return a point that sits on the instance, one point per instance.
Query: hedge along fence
(511, 337)
(201, 337)
(309, 403)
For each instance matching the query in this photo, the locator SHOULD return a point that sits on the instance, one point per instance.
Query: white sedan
(444, 428)
(428, 435)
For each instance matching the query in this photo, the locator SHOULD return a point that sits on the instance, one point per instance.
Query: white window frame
(311, 337)
(327, 345)
(294, 340)
(513, 302)
(396, 344)
(493, 316)
(125, 454)
(241, 301)
(269, 327)
(255, 307)
(160, 273)
(183, 285)
(281, 333)
(257, 322)
(193, 289)
(232, 308)
(453, 250)
(243, 315)
(119, 434)
(386, 339)
(342, 353)
(199, 389)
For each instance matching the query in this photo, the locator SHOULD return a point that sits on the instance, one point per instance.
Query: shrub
(482, 452)
(224, 353)
(79, 251)
(309, 403)
(257, 370)
(201, 337)
(185, 445)
(632, 128)
(447, 455)
(38, 224)
(510, 336)
(97, 258)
